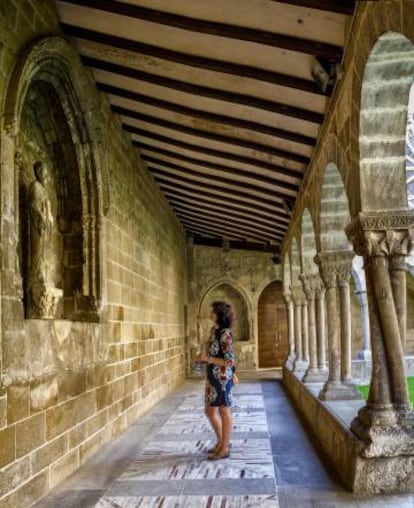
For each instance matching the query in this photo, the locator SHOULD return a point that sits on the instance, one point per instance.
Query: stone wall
(69, 385)
(245, 273)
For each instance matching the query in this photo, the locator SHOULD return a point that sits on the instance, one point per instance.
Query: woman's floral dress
(220, 378)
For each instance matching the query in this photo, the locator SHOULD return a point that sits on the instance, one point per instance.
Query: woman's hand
(202, 358)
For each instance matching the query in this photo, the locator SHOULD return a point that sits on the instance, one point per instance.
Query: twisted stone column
(330, 266)
(291, 329)
(385, 424)
(399, 288)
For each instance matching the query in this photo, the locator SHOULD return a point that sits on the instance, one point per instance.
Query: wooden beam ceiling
(219, 102)
(225, 30)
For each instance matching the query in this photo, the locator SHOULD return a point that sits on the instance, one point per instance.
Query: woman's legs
(227, 426)
(212, 414)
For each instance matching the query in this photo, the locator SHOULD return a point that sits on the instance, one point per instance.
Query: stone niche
(244, 346)
(50, 206)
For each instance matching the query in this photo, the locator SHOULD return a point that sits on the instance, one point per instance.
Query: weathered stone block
(34, 489)
(44, 394)
(48, 453)
(71, 384)
(30, 434)
(7, 445)
(64, 467)
(3, 412)
(18, 403)
(60, 418)
(14, 475)
(78, 434)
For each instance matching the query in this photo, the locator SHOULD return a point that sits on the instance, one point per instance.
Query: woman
(220, 364)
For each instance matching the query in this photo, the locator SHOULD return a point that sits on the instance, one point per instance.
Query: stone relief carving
(43, 295)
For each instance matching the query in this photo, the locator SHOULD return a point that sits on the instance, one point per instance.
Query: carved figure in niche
(43, 296)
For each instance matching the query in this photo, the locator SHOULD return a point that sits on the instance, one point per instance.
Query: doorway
(272, 327)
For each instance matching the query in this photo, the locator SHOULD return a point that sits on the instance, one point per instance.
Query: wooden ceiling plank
(212, 152)
(211, 64)
(228, 222)
(213, 136)
(226, 30)
(218, 233)
(339, 6)
(209, 207)
(206, 180)
(229, 218)
(213, 93)
(231, 171)
(199, 187)
(234, 206)
(259, 206)
(213, 117)
(225, 229)
(218, 242)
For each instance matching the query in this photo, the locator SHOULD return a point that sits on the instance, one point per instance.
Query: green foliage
(364, 389)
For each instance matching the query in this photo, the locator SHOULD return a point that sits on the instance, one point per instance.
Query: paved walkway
(160, 461)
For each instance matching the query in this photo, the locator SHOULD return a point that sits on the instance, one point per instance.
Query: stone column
(399, 289)
(291, 329)
(343, 276)
(321, 329)
(299, 365)
(365, 352)
(385, 424)
(305, 332)
(329, 266)
(309, 285)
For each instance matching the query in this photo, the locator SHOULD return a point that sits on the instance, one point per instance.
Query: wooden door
(273, 327)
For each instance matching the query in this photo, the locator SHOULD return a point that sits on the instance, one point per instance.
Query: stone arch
(244, 329)
(231, 292)
(387, 79)
(53, 62)
(334, 211)
(308, 244)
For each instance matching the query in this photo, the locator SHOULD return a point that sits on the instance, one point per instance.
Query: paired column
(311, 283)
(300, 314)
(385, 424)
(335, 271)
(291, 330)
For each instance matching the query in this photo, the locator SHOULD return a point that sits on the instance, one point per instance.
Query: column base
(300, 366)
(339, 391)
(290, 362)
(315, 376)
(385, 432)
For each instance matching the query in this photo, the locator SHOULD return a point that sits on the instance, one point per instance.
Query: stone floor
(160, 461)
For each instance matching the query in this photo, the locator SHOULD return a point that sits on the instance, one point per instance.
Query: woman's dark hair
(224, 314)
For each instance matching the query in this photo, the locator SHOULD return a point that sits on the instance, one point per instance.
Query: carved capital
(310, 284)
(288, 297)
(382, 233)
(334, 267)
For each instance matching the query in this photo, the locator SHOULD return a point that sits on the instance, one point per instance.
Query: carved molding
(382, 233)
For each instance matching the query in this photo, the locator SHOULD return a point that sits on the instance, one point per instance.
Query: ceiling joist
(230, 171)
(241, 33)
(245, 71)
(212, 136)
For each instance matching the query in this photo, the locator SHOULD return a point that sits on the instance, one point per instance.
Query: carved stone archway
(54, 61)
